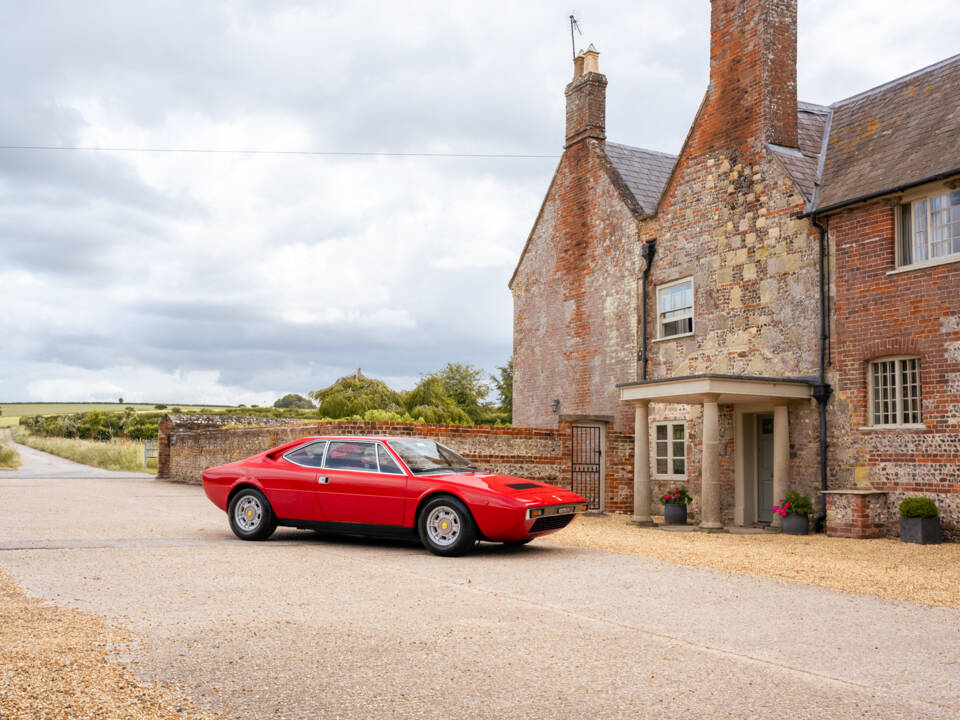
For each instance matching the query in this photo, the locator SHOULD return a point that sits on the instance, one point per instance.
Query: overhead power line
(328, 153)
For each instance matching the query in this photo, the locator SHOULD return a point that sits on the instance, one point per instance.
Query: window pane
(678, 432)
(678, 468)
(662, 449)
(308, 455)
(352, 456)
(919, 212)
(884, 392)
(661, 467)
(661, 432)
(678, 450)
(906, 236)
(910, 383)
(387, 463)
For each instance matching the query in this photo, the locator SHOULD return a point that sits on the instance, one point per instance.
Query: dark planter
(675, 514)
(923, 531)
(794, 524)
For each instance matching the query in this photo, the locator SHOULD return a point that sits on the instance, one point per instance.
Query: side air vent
(523, 486)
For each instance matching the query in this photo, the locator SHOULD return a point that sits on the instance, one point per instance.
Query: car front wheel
(251, 517)
(446, 527)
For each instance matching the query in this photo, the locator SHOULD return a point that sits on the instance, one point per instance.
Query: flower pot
(923, 531)
(795, 524)
(675, 514)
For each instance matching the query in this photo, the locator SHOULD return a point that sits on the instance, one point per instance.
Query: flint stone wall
(190, 444)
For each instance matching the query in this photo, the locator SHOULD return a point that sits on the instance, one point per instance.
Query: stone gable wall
(575, 299)
(909, 313)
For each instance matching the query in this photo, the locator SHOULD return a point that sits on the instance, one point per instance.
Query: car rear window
(310, 455)
(387, 463)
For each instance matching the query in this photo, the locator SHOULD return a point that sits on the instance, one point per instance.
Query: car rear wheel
(446, 527)
(251, 517)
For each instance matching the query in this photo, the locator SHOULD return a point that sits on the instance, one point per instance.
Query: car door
(291, 482)
(364, 484)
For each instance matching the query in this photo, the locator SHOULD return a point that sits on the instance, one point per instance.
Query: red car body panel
(372, 500)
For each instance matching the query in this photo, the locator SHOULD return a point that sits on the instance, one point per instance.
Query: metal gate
(585, 464)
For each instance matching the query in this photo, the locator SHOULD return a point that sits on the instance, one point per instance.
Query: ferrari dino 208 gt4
(385, 486)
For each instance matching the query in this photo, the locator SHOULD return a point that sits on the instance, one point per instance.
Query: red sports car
(385, 486)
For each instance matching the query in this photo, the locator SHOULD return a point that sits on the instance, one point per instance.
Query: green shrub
(918, 507)
(9, 458)
(799, 503)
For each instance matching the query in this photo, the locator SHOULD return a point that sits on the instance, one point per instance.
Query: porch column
(641, 464)
(710, 517)
(781, 457)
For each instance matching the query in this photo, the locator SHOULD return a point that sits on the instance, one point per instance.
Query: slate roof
(803, 164)
(645, 172)
(894, 135)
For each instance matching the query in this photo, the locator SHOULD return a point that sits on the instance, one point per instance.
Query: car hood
(521, 488)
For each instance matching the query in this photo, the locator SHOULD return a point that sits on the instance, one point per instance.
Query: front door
(585, 463)
(765, 468)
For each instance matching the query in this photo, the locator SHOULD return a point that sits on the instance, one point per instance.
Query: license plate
(564, 509)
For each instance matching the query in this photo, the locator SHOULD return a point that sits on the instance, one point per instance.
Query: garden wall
(188, 444)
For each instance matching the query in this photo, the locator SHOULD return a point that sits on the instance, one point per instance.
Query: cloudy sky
(228, 278)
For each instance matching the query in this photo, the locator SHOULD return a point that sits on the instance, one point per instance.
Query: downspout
(822, 391)
(646, 252)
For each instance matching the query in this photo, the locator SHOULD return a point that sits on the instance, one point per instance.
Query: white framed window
(929, 228)
(894, 391)
(670, 449)
(675, 308)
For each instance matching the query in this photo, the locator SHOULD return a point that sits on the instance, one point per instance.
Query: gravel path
(37, 464)
(302, 627)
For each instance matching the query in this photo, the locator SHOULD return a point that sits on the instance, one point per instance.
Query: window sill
(911, 426)
(672, 337)
(655, 476)
(925, 264)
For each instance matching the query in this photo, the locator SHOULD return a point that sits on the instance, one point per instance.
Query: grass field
(11, 412)
(9, 458)
(123, 455)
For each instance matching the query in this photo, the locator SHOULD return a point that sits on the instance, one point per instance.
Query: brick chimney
(586, 99)
(753, 75)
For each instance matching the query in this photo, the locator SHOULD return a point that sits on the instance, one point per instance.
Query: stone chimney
(586, 99)
(753, 74)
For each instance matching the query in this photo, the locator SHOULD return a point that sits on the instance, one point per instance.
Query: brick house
(777, 307)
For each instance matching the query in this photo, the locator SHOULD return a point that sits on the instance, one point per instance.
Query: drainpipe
(822, 391)
(646, 252)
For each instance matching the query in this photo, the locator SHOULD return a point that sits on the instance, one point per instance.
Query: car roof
(363, 437)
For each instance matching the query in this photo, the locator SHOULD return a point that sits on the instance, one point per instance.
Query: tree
(504, 387)
(354, 395)
(292, 400)
(463, 384)
(429, 402)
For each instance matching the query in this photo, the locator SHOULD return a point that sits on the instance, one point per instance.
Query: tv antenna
(573, 44)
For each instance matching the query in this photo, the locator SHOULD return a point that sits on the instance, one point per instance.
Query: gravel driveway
(304, 627)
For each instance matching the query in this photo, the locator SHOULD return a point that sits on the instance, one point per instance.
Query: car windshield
(427, 456)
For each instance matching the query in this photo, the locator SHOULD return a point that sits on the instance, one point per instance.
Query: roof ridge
(895, 81)
(635, 147)
(813, 107)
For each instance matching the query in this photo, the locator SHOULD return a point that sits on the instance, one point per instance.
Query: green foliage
(429, 402)
(503, 383)
(292, 400)
(799, 503)
(918, 507)
(354, 395)
(9, 458)
(161, 406)
(378, 415)
(463, 384)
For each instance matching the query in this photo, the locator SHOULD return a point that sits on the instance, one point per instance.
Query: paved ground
(303, 627)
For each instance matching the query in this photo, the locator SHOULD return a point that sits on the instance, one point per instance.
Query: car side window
(350, 455)
(387, 463)
(310, 455)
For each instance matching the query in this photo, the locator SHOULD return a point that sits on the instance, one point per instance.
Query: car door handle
(323, 479)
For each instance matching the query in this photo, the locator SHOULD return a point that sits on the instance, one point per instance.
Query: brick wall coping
(854, 491)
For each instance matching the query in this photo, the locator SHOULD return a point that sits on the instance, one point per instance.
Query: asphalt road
(306, 627)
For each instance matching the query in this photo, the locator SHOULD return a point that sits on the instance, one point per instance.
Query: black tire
(257, 521)
(446, 527)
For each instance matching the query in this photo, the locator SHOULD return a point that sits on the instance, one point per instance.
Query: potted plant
(919, 521)
(795, 510)
(675, 506)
